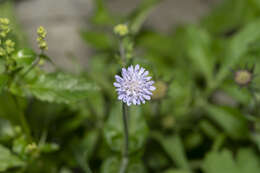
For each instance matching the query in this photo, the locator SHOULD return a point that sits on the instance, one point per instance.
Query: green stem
(124, 163)
(34, 64)
(23, 120)
(122, 52)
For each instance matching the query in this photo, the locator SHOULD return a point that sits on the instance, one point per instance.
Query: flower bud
(168, 122)
(4, 27)
(243, 77)
(121, 30)
(31, 147)
(161, 90)
(42, 33)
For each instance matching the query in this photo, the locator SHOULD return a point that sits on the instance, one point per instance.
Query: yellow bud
(121, 30)
(4, 21)
(39, 39)
(9, 43)
(41, 62)
(43, 45)
(168, 122)
(41, 32)
(31, 147)
(2, 52)
(161, 90)
(243, 77)
(3, 34)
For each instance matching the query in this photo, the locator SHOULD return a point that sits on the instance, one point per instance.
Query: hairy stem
(124, 162)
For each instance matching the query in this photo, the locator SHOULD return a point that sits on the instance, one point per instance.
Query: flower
(162, 90)
(134, 87)
(42, 44)
(244, 77)
(121, 30)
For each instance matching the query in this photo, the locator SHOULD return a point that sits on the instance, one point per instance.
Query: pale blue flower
(134, 87)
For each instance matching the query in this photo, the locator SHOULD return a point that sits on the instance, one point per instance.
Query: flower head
(134, 87)
(121, 30)
(42, 44)
(244, 77)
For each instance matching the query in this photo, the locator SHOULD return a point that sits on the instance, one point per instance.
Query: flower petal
(152, 88)
(117, 84)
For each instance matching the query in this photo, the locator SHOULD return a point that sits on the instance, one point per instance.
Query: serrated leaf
(60, 87)
(8, 160)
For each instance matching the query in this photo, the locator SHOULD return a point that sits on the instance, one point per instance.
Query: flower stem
(34, 64)
(122, 52)
(124, 162)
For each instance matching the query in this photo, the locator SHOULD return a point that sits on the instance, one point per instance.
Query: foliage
(199, 120)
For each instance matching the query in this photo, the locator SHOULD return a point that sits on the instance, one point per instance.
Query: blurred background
(65, 18)
(203, 55)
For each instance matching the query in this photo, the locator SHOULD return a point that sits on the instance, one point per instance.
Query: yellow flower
(42, 33)
(121, 30)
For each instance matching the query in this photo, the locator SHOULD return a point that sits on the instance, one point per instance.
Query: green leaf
(8, 160)
(209, 129)
(246, 161)
(176, 171)
(138, 129)
(230, 119)
(60, 87)
(101, 15)
(198, 43)
(8, 108)
(255, 137)
(25, 57)
(138, 17)
(112, 165)
(174, 147)
(237, 48)
(19, 146)
(3, 81)
(216, 162)
(221, 20)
